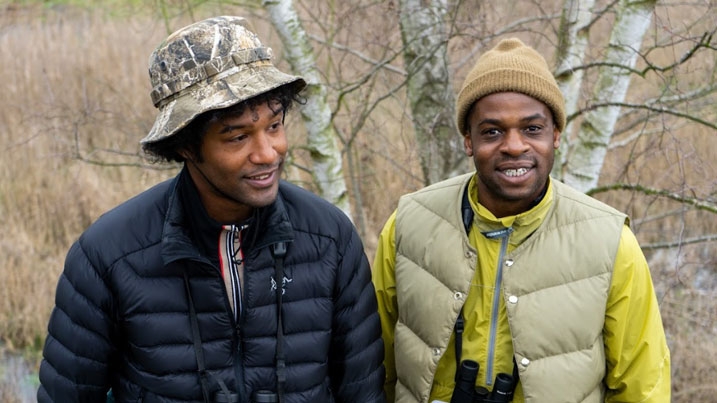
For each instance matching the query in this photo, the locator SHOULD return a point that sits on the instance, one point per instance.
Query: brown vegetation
(75, 104)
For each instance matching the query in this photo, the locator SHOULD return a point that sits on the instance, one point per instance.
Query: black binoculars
(224, 397)
(264, 396)
(260, 396)
(467, 392)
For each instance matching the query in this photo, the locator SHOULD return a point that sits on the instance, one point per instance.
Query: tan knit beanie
(510, 67)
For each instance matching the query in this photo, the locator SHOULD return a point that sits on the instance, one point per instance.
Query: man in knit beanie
(504, 284)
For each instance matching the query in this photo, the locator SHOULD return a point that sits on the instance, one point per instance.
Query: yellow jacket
(637, 357)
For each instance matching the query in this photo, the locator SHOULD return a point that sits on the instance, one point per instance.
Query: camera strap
(278, 250)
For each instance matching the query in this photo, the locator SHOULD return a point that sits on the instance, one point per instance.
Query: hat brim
(224, 90)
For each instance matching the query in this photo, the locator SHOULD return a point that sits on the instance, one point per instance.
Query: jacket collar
(523, 224)
(269, 225)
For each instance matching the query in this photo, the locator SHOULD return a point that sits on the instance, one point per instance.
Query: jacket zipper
(504, 236)
(238, 351)
(239, 365)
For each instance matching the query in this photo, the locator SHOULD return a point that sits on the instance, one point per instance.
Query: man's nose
(263, 149)
(514, 143)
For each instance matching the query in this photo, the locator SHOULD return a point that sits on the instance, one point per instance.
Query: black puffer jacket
(122, 318)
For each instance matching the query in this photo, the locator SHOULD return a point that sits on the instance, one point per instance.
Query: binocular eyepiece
(264, 396)
(222, 397)
(466, 391)
(259, 396)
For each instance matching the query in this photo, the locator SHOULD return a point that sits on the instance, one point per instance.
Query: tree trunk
(573, 37)
(322, 144)
(587, 154)
(429, 89)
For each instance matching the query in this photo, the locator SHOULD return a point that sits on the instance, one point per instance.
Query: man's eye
(238, 137)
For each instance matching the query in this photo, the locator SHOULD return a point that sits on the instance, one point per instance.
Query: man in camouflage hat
(223, 284)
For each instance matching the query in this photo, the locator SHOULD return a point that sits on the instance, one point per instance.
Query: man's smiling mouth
(515, 172)
(260, 177)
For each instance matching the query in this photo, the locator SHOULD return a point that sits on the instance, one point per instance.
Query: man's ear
(468, 144)
(186, 154)
(556, 138)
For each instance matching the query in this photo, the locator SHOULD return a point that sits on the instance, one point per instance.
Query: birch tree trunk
(430, 93)
(587, 154)
(316, 114)
(573, 37)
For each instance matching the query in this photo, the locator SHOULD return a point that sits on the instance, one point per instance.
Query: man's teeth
(260, 177)
(515, 172)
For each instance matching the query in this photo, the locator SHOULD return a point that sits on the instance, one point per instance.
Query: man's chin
(265, 197)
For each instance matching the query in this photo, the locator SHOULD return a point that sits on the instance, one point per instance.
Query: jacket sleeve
(77, 349)
(384, 279)
(356, 348)
(638, 358)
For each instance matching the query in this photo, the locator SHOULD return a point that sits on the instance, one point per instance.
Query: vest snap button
(512, 299)
(436, 351)
(524, 362)
(458, 295)
(509, 262)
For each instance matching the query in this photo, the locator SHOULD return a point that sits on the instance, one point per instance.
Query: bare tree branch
(699, 204)
(679, 243)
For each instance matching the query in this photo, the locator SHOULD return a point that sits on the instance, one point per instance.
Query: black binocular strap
(460, 325)
(278, 250)
(201, 367)
(197, 342)
(467, 215)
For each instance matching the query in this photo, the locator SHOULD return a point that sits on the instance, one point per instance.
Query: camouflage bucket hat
(211, 64)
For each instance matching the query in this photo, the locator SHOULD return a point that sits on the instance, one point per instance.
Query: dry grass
(77, 87)
(66, 97)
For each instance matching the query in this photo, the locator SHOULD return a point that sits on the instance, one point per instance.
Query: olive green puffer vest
(555, 287)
